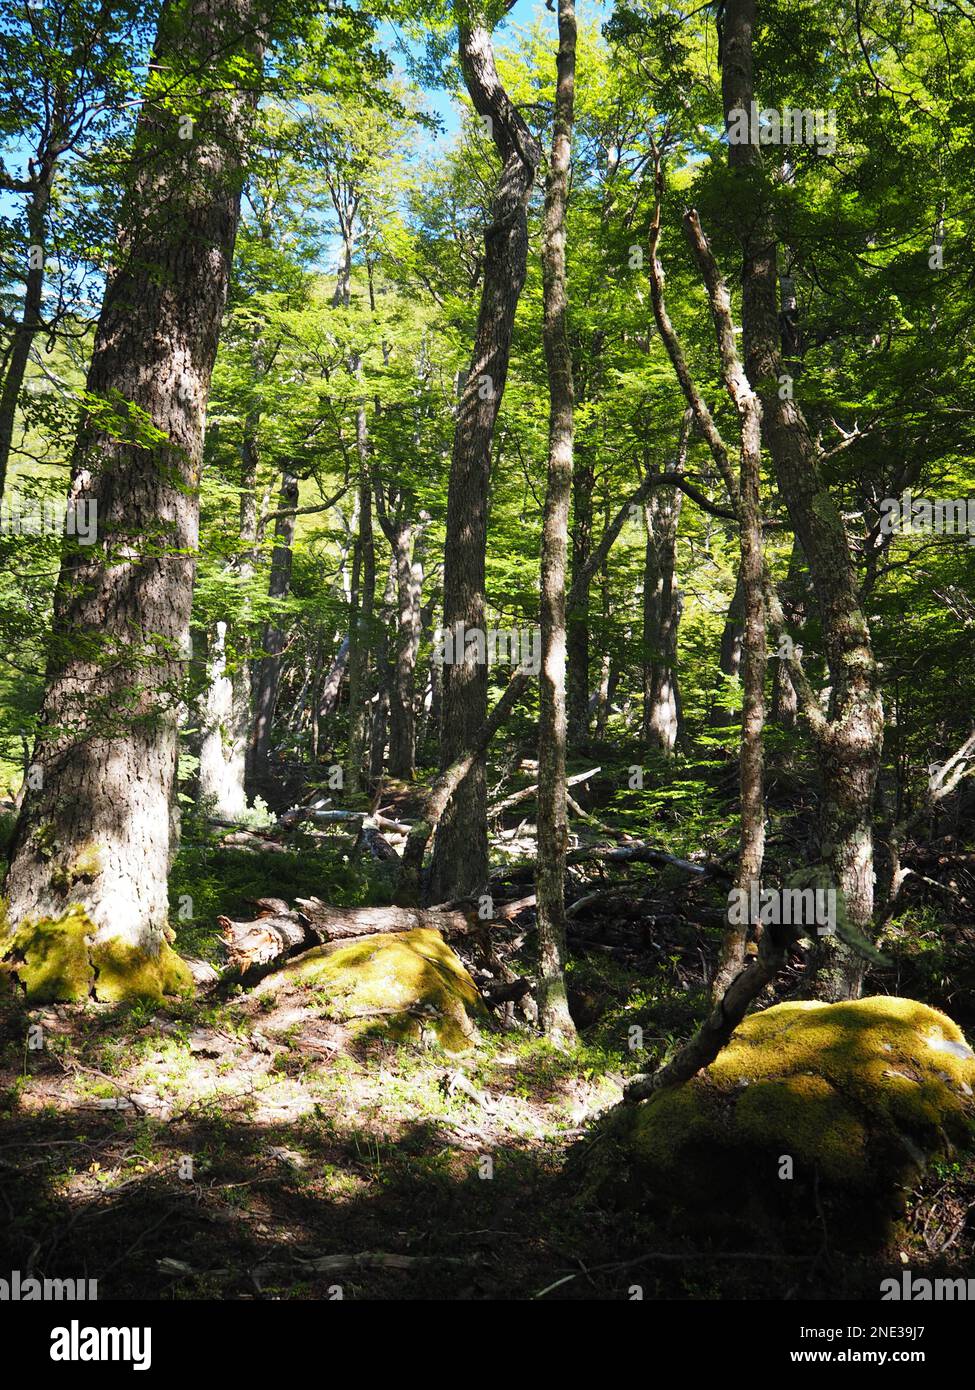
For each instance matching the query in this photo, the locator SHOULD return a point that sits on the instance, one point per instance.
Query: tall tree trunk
(96, 832)
(553, 1008)
(361, 630)
(409, 584)
(224, 720)
(850, 746)
(385, 676)
(600, 699)
(785, 700)
(267, 671)
(332, 685)
(31, 319)
(460, 860)
(751, 852)
(225, 716)
(432, 726)
(729, 653)
(661, 609)
(577, 635)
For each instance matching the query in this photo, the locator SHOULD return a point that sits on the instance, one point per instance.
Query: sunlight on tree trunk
(96, 831)
(553, 1008)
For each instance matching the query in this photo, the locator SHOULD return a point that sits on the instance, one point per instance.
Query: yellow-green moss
(85, 864)
(860, 1096)
(670, 1121)
(902, 1059)
(822, 1134)
(51, 959)
(405, 982)
(58, 960)
(124, 972)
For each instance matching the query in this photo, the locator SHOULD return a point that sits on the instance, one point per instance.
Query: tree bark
(106, 749)
(553, 835)
(460, 859)
(661, 609)
(577, 617)
(224, 719)
(225, 716)
(785, 700)
(385, 676)
(751, 852)
(329, 695)
(267, 674)
(31, 321)
(409, 584)
(360, 631)
(849, 748)
(729, 653)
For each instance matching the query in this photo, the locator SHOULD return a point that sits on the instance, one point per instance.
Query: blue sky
(525, 12)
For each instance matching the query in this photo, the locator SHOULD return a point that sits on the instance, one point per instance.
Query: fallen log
(372, 842)
(321, 814)
(503, 911)
(641, 853)
(282, 931)
(507, 912)
(316, 1264)
(599, 896)
(252, 843)
(523, 795)
(335, 923)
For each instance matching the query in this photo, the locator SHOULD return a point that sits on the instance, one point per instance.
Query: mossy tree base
(61, 961)
(815, 1121)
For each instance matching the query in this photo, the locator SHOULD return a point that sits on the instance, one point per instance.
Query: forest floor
(236, 1146)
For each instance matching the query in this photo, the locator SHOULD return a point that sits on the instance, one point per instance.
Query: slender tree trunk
(661, 609)
(850, 746)
(225, 716)
(751, 851)
(409, 583)
(577, 633)
(31, 320)
(435, 713)
(599, 701)
(360, 633)
(96, 832)
(553, 1008)
(267, 672)
(460, 861)
(785, 700)
(729, 653)
(333, 682)
(223, 745)
(385, 676)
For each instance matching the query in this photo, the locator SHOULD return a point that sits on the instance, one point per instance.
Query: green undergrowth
(209, 880)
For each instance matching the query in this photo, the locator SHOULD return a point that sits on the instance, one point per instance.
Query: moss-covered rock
(814, 1113)
(59, 960)
(404, 984)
